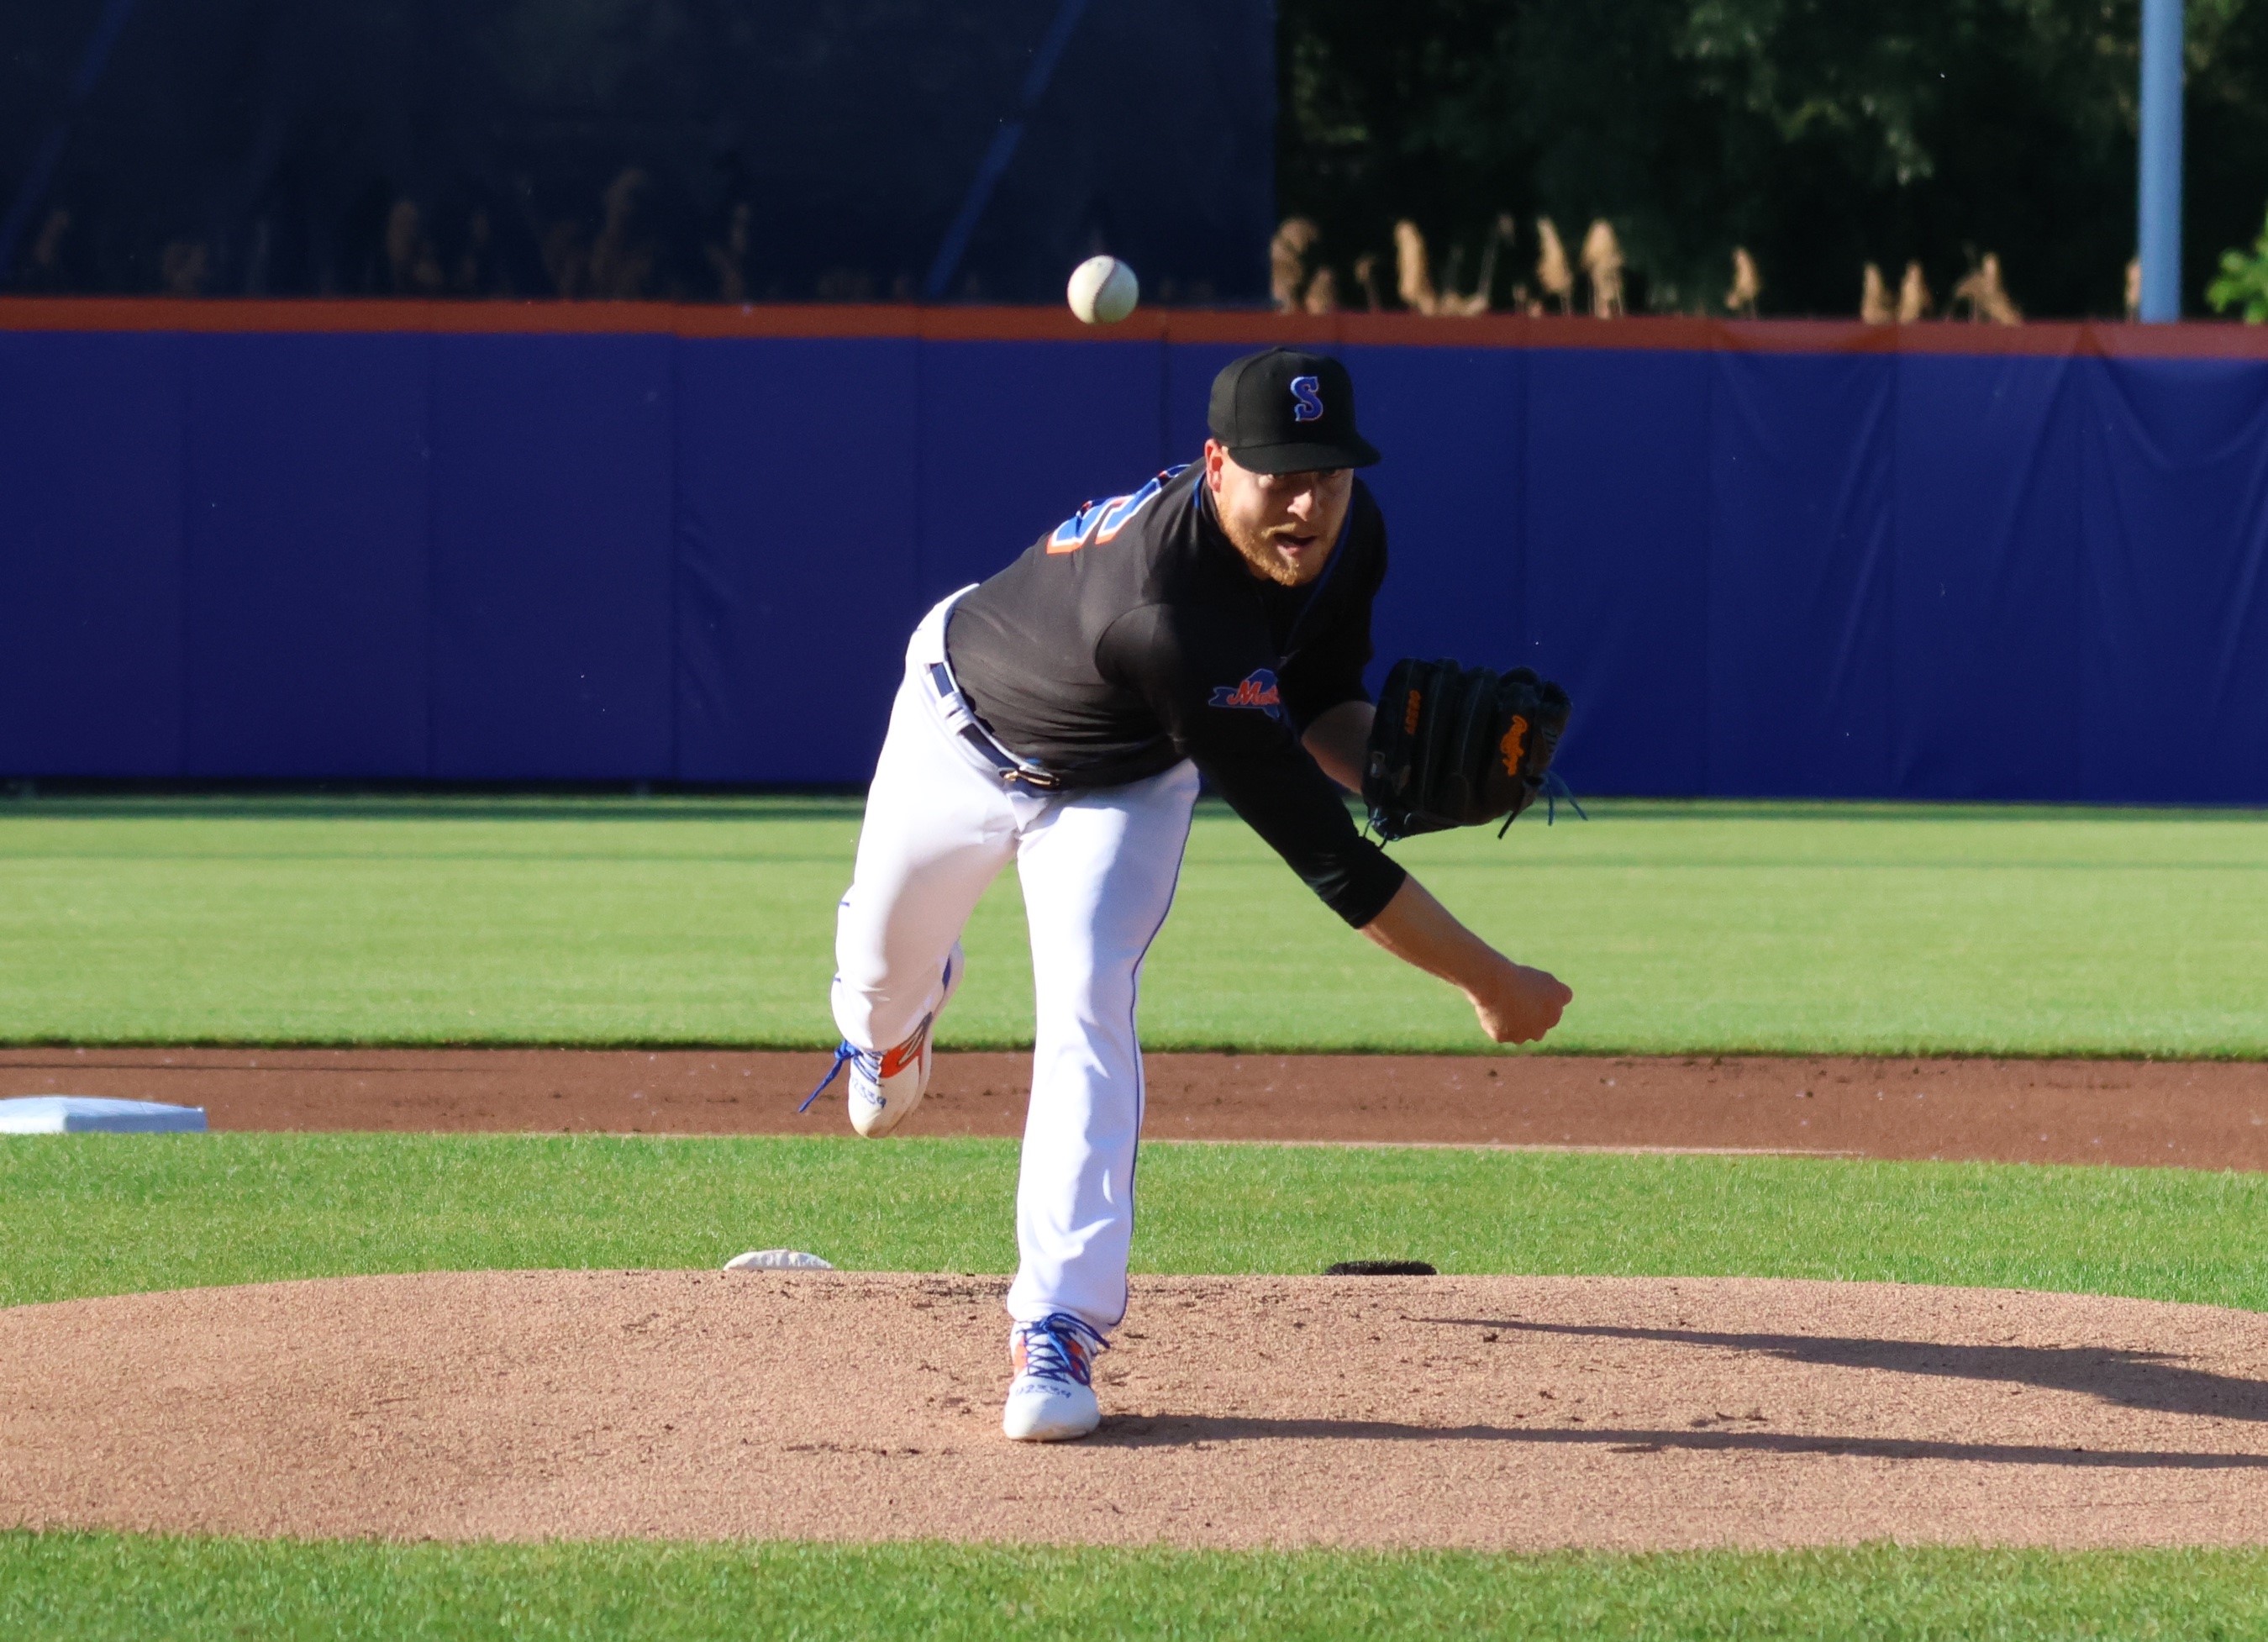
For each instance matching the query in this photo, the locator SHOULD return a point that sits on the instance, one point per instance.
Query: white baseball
(1104, 291)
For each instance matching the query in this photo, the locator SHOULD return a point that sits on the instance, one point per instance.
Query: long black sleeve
(1243, 741)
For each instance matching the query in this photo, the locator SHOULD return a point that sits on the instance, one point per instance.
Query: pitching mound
(1504, 1412)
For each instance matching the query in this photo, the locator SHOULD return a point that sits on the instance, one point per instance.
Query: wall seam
(2077, 392)
(186, 757)
(1165, 404)
(1524, 639)
(921, 474)
(1897, 705)
(433, 624)
(1714, 361)
(674, 643)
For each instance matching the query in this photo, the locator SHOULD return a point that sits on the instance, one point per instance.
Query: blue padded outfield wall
(350, 541)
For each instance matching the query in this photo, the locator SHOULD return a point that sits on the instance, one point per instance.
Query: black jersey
(1133, 635)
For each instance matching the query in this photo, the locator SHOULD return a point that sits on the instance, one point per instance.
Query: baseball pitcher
(1217, 620)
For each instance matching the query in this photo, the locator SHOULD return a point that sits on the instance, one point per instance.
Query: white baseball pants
(1098, 870)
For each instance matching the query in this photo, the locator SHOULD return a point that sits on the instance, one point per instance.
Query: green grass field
(97, 1215)
(1682, 928)
(114, 1214)
(69, 1587)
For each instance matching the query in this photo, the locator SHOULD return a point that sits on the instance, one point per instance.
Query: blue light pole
(2160, 207)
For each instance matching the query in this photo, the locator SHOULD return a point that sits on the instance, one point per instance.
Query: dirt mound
(1515, 1413)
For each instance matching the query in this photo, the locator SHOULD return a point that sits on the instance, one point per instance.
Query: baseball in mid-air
(1104, 291)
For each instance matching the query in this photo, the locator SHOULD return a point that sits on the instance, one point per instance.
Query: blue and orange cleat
(1051, 1398)
(886, 1085)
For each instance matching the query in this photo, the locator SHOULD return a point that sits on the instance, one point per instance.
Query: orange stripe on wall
(211, 315)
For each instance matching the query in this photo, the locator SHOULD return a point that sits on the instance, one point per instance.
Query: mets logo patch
(1256, 690)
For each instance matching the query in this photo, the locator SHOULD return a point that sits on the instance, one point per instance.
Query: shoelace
(1051, 1348)
(1555, 788)
(844, 1056)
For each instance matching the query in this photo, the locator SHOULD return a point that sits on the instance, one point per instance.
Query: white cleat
(1051, 1399)
(886, 1085)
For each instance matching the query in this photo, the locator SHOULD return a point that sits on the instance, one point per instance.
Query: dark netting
(695, 150)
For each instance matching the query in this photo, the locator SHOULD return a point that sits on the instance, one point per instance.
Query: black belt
(1011, 769)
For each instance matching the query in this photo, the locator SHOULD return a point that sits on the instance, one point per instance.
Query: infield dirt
(1513, 1412)
(2186, 1113)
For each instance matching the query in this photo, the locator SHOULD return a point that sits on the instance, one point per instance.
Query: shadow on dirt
(1199, 1430)
(2137, 1379)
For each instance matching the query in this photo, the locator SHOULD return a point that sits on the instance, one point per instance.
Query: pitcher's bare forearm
(1421, 931)
(1516, 1003)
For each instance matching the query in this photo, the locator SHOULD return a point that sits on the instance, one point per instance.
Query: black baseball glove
(1455, 746)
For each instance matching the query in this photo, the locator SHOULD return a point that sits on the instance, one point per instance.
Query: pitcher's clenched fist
(1519, 1005)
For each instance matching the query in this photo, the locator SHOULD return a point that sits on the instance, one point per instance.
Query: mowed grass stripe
(77, 1587)
(1699, 928)
(91, 1215)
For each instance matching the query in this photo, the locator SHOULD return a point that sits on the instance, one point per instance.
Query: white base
(778, 1260)
(87, 1113)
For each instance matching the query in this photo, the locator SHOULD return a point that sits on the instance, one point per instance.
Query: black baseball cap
(1287, 411)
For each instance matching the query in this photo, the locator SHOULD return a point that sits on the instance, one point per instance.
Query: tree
(2243, 284)
(1820, 134)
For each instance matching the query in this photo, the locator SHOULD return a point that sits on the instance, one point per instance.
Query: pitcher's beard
(1259, 552)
